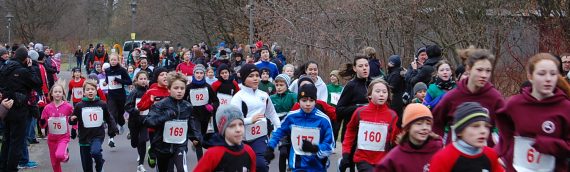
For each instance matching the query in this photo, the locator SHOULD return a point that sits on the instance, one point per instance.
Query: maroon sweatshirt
(405, 158)
(488, 97)
(547, 121)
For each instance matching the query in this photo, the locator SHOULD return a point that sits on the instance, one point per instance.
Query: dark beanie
(307, 90)
(467, 113)
(304, 78)
(433, 51)
(246, 70)
(395, 60)
(21, 54)
(156, 72)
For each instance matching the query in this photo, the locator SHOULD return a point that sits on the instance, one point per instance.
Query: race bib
(300, 133)
(175, 131)
(256, 130)
(92, 117)
(114, 85)
(103, 87)
(526, 158)
(334, 98)
(57, 125)
(199, 97)
(224, 98)
(143, 112)
(372, 136)
(77, 93)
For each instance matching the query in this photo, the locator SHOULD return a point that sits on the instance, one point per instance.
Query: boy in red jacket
(228, 152)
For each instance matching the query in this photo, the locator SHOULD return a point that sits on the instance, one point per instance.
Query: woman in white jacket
(311, 69)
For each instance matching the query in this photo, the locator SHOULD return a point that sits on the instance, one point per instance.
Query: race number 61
(533, 156)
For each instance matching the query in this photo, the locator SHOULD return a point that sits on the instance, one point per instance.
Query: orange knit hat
(415, 111)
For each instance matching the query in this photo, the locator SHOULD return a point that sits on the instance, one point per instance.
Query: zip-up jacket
(88, 134)
(124, 80)
(51, 110)
(283, 102)
(252, 102)
(371, 113)
(329, 110)
(166, 110)
(353, 96)
(223, 157)
(314, 119)
(131, 107)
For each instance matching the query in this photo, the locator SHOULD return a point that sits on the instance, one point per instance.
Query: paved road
(123, 158)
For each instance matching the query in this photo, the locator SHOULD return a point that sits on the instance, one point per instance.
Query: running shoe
(140, 168)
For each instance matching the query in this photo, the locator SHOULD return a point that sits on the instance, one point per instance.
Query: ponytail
(562, 84)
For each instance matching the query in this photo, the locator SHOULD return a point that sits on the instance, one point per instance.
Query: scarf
(198, 83)
(444, 85)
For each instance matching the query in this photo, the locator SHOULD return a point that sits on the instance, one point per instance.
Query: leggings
(167, 161)
(117, 109)
(58, 152)
(203, 121)
(364, 166)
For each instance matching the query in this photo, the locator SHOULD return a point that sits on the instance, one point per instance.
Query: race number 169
(176, 131)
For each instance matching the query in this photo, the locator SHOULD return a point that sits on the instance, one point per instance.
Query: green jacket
(267, 86)
(333, 88)
(284, 102)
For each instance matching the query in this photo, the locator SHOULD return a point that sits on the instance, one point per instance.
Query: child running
(283, 101)
(55, 116)
(139, 133)
(90, 114)
(468, 151)
(372, 130)
(174, 124)
(75, 92)
(228, 153)
(204, 102)
(416, 143)
(311, 134)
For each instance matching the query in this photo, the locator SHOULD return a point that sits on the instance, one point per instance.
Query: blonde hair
(175, 76)
(90, 82)
(471, 55)
(288, 65)
(59, 83)
(380, 81)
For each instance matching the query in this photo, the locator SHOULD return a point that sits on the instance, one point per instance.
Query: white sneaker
(138, 158)
(140, 168)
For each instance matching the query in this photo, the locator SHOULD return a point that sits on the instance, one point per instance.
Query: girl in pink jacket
(56, 116)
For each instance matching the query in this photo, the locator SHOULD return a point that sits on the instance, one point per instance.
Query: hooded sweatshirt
(410, 158)
(488, 97)
(283, 102)
(322, 92)
(373, 127)
(454, 158)
(547, 121)
(223, 157)
(86, 135)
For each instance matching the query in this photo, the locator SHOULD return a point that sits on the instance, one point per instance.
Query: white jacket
(257, 102)
(322, 92)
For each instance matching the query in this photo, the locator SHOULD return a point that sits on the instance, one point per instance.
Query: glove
(73, 134)
(269, 154)
(344, 162)
(309, 147)
(210, 108)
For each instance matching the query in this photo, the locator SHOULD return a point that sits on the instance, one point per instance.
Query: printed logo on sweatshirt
(426, 167)
(548, 127)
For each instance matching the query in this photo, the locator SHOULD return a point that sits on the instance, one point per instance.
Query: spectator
(412, 71)
(265, 63)
(374, 63)
(79, 56)
(426, 70)
(396, 81)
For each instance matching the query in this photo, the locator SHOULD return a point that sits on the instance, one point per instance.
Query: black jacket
(425, 73)
(397, 85)
(118, 94)
(170, 109)
(135, 119)
(88, 134)
(201, 111)
(375, 68)
(18, 81)
(353, 96)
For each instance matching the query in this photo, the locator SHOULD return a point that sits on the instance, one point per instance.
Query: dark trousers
(139, 136)
(116, 107)
(259, 146)
(79, 59)
(283, 156)
(167, 162)
(364, 166)
(88, 153)
(203, 120)
(14, 140)
(336, 129)
(344, 125)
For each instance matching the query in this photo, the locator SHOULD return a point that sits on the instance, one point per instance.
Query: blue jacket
(317, 162)
(269, 65)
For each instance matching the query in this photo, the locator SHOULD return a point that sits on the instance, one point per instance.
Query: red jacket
(43, 74)
(217, 157)
(329, 110)
(101, 95)
(187, 68)
(155, 91)
(446, 160)
(405, 158)
(378, 114)
(547, 121)
(488, 97)
(72, 85)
